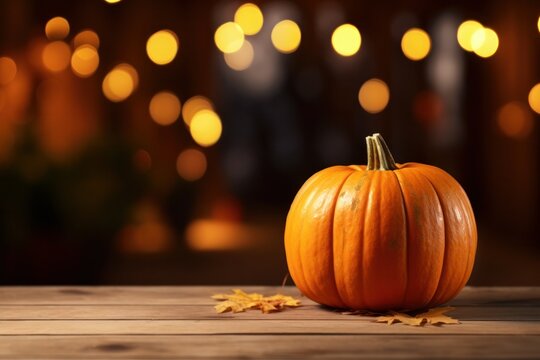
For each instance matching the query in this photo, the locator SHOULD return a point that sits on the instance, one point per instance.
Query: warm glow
(142, 160)
(229, 37)
(56, 56)
(218, 235)
(250, 18)
(194, 105)
(86, 37)
(534, 98)
(191, 164)
(286, 36)
(162, 47)
(374, 95)
(538, 24)
(241, 59)
(415, 44)
(112, 1)
(485, 42)
(164, 108)
(119, 83)
(515, 120)
(346, 40)
(57, 28)
(465, 33)
(84, 61)
(205, 127)
(8, 70)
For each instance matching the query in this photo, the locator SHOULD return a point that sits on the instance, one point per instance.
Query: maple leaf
(432, 316)
(240, 301)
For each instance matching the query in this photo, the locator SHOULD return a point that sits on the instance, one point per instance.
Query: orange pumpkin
(382, 236)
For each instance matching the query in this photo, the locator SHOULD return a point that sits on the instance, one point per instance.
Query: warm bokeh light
(8, 70)
(346, 40)
(164, 108)
(229, 37)
(465, 33)
(241, 59)
(194, 105)
(57, 28)
(415, 44)
(86, 37)
(191, 164)
(112, 1)
(56, 56)
(250, 18)
(218, 235)
(84, 61)
(119, 83)
(538, 24)
(534, 98)
(374, 96)
(286, 36)
(485, 42)
(162, 47)
(515, 120)
(142, 160)
(205, 127)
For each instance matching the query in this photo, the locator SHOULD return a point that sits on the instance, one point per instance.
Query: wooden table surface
(175, 322)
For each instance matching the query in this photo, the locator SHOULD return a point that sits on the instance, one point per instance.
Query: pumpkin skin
(397, 239)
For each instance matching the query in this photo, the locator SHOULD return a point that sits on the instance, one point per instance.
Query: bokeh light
(86, 37)
(415, 44)
(142, 161)
(286, 36)
(8, 70)
(162, 47)
(250, 18)
(485, 42)
(534, 98)
(465, 33)
(374, 96)
(346, 40)
(229, 37)
(84, 61)
(538, 24)
(193, 105)
(191, 164)
(112, 1)
(164, 108)
(241, 59)
(205, 127)
(56, 56)
(57, 28)
(120, 83)
(515, 120)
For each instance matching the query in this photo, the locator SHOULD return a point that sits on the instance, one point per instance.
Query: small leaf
(432, 316)
(240, 301)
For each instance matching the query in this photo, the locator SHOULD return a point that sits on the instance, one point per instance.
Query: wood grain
(170, 322)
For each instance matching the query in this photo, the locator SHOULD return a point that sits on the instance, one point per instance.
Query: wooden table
(180, 323)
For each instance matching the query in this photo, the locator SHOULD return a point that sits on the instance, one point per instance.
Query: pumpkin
(384, 236)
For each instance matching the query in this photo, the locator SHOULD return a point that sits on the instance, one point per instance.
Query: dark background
(89, 192)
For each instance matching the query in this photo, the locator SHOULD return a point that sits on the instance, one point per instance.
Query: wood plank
(271, 347)
(200, 295)
(215, 327)
(206, 312)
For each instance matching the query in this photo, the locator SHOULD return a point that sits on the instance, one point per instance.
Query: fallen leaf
(240, 301)
(432, 316)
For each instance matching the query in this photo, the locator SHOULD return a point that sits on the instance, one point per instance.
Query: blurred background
(162, 142)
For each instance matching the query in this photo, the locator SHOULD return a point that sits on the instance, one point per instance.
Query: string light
(241, 59)
(465, 33)
(84, 61)
(162, 47)
(229, 37)
(485, 42)
(8, 70)
(191, 164)
(86, 37)
(205, 128)
(57, 28)
(56, 56)
(119, 83)
(415, 44)
(534, 98)
(346, 40)
(374, 96)
(250, 18)
(286, 36)
(164, 108)
(194, 105)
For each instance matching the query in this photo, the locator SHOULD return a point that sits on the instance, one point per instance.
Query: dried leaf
(240, 301)
(432, 316)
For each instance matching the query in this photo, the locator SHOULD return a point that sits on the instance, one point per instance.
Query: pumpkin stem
(379, 156)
